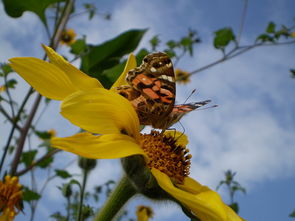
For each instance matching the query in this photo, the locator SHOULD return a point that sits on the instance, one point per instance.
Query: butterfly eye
(145, 60)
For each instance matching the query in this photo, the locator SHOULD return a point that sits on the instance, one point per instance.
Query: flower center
(165, 155)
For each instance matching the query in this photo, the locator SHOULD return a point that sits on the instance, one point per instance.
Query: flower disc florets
(166, 155)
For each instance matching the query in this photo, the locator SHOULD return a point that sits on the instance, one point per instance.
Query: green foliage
(271, 27)
(28, 157)
(11, 83)
(45, 162)
(234, 206)
(108, 54)
(15, 8)
(155, 41)
(29, 195)
(223, 37)
(63, 174)
(292, 73)
(79, 47)
(292, 214)
(43, 134)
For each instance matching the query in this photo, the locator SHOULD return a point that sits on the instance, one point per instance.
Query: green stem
(85, 175)
(120, 195)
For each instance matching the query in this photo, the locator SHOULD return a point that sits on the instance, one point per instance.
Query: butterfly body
(152, 90)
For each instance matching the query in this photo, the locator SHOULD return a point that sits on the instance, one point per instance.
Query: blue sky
(252, 130)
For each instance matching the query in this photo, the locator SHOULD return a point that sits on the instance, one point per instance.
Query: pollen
(10, 197)
(166, 155)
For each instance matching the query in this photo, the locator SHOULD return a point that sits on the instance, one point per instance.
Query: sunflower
(10, 198)
(159, 157)
(181, 76)
(156, 164)
(68, 37)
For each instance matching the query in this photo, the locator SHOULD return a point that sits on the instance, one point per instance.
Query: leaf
(271, 27)
(223, 37)
(28, 157)
(63, 174)
(292, 72)
(108, 54)
(58, 217)
(15, 8)
(6, 68)
(79, 46)
(265, 38)
(235, 207)
(292, 214)
(43, 134)
(11, 83)
(29, 195)
(155, 41)
(46, 162)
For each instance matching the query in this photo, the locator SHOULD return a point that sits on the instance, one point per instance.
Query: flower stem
(120, 195)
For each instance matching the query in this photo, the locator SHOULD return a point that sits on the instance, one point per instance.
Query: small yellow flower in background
(292, 34)
(2, 88)
(68, 37)
(181, 76)
(143, 213)
(52, 133)
(10, 198)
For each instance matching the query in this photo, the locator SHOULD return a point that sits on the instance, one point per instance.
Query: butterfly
(152, 90)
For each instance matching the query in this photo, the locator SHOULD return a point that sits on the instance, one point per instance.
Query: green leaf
(235, 207)
(108, 54)
(155, 41)
(28, 157)
(6, 68)
(265, 38)
(271, 27)
(43, 134)
(29, 195)
(15, 8)
(292, 214)
(63, 174)
(58, 217)
(223, 37)
(11, 83)
(79, 46)
(46, 162)
(292, 72)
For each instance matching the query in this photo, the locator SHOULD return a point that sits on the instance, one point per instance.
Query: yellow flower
(10, 198)
(68, 37)
(292, 34)
(182, 76)
(101, 111)
(143, 213)
(58, 79)
(2, 88)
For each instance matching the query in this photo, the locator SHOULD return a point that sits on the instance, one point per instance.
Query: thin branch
(237, 51)
(10, 119)
(14, 126)
(35, 163)
(243, 19)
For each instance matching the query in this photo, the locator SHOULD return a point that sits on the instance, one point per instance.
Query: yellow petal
(44, 77)
(101, 111)
(79, 79)
(130, 64)
(108, 146)
(181, 138)
(207, 205)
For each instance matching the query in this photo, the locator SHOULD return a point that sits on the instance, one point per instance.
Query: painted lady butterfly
(151, 91)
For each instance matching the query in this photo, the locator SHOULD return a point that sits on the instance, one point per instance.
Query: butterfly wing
(155, 81)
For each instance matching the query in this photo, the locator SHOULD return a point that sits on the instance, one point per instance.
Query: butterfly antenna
(193, 91)
(213, 106)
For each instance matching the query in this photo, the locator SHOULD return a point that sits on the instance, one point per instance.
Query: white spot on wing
(153, 69)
